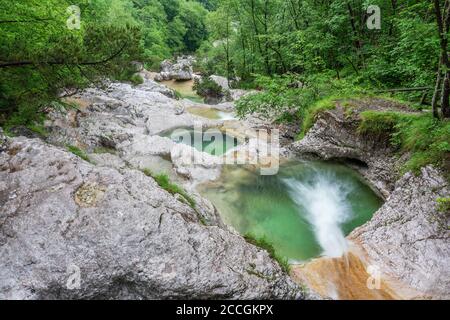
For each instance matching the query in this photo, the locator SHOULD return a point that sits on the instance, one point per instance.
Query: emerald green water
(305, 211)
(211, 141)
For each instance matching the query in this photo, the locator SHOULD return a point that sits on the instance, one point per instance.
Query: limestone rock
(408, 237)
(334, 136)
(181, 70)
(124, 238)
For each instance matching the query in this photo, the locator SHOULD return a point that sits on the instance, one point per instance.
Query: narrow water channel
(305, 211)
(185, 89)
(212, 141)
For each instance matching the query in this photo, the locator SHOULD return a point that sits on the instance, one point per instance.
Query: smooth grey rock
(221, 82)
(127, 238)
(3, 141)
(181, 70)
(408, 238)
(153, 86)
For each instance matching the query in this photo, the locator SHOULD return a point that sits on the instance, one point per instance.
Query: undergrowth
(426, 139)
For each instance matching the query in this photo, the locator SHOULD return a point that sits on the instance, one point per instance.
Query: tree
(193, 15)
(40, 55)
(443, 74)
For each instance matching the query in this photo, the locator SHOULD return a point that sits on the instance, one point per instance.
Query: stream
(305, 211)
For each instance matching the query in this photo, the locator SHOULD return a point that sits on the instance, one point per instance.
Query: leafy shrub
(136, 79)
(293, 94)
(208, 88)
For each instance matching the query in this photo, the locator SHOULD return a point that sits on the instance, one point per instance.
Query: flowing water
(212, 141)
(184, 88)
(305, 211)
(211, 113)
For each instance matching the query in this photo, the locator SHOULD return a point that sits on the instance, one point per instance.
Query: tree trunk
(435, 99)
(443, 23)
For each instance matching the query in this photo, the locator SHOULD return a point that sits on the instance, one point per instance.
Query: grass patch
(136, 79)
(164, 182)
(426, 139)
(103, 150)
(311, 114)
(178, 94)
(78, 152)
(378, 123)
(443, 205)
(263, 243)
(39, 129)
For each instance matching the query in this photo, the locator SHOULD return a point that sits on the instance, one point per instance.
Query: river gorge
(331, 210)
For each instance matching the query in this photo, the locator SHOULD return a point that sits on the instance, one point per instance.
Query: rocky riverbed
(107, 223)
(104, 221)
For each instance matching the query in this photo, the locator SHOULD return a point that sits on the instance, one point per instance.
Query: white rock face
(408, 237)
(221, 81)
(70, 229)
(181, 70)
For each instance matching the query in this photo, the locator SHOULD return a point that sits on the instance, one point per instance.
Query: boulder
(73, 230)
(181, 70)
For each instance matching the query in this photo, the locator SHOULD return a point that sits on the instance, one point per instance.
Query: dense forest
(295, 52)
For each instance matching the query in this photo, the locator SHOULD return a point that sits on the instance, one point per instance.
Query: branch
(89, 63)
(405, 89)
(24, 21)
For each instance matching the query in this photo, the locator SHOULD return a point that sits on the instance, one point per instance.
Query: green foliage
(136, 79)
(443, 205)
(78, 152)
(47, 56)
(208, 88)
(308, 37)
(44, 56)
(292, 94)
(164, 182)
(312, 113)
(263, 243)
(193, 16)
(425, 138)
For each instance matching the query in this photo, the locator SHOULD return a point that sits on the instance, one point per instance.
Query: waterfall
(323, 200)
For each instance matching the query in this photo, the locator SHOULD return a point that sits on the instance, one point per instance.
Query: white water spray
(324, 201)
(226, 115)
